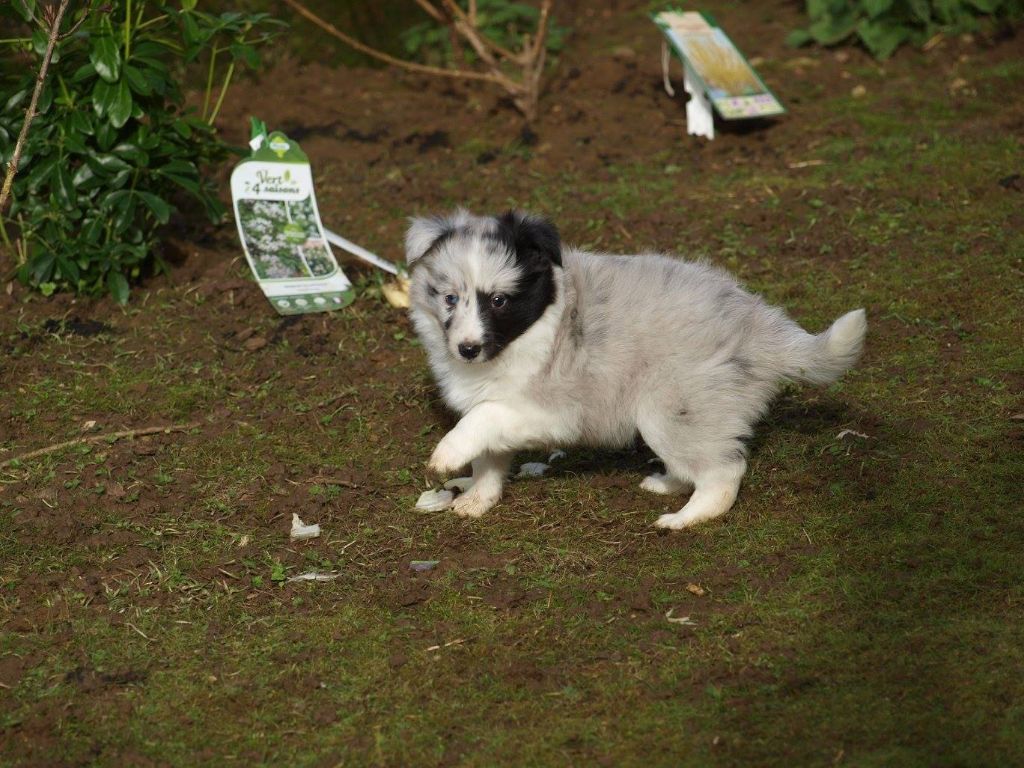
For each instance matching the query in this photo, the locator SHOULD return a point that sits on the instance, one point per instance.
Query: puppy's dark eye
(499, 300)
(451, 299)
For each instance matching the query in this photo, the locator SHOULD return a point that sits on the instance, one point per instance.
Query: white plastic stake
(347, 245)
(700, 121)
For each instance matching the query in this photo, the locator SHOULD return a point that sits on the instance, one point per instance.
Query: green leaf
(42, 267)
(78, 121)
(161, 210)
(881, 37)
(26, 9)
(15, 101)
(63, 187)
(107, 164)
(83, 175)
(986, 6)
(137, 80)
(105, 56)
(188, 5)
(106, 135)
(121, 108)
(45, 100)
(876, 8)
(92, 230)
(190, 29)
(103, 94)
(182, 128)
(39, 42)
(118, 287)
(129, 151)
(68, 269)
(39, 172)
(75, 143)
(830, 31)
(246, 53)
(84, 72)
(189, 185)
(922, 10)
(798, 37)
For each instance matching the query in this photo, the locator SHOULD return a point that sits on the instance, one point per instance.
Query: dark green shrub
(113, 146)
(883, 25)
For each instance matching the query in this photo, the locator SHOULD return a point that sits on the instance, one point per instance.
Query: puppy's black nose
(469, 351)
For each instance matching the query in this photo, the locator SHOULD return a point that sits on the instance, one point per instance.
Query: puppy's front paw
(448, 457)
(472, 505)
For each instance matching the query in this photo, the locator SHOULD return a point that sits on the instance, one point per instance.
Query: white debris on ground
(314, 576)
(853, 432)
(684, 621)
(533, 469)
(435, 500)
(460, 483)
(556, 456)
(422, 566)
(300, 531)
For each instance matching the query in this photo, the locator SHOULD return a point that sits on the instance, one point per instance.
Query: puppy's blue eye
(498, 300)
(451, 299)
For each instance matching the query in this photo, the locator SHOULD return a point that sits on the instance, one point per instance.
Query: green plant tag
(720, 70)
(280, 228)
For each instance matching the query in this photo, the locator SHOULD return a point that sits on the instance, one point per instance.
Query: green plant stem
(209, 82)
(223, 92)
(127, 30)
(154, 20)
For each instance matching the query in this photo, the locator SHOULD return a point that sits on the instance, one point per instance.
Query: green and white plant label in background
(280, 229)
(715, 73)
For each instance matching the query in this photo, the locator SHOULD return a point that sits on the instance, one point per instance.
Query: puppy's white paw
(448, 457)
(663, 484)
(472, 505)
(675, 521)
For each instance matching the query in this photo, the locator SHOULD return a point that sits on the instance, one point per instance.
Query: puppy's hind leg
(489, 473)
(714, 493)
(693, 451)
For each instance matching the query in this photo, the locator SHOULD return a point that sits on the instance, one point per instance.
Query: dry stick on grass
(112, 437)
(524, 91)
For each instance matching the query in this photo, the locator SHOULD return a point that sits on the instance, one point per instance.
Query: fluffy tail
(824, 358)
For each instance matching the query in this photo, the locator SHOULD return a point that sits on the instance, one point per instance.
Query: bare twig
(76, 26)
(471, 29)
(458, 74)
(30, 113)
(431, 11)
(111, 437)
(524, 88)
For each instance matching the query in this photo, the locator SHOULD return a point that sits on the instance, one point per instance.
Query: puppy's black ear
(534, 239)
(425, 234)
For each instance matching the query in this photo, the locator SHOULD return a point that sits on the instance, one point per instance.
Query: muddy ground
(861, 604)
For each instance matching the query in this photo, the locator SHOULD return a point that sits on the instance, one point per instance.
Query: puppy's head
(483, 280)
